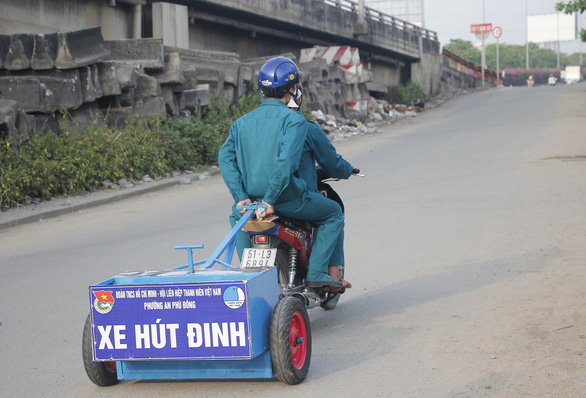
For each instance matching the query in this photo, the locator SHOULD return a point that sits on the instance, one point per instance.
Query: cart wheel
(290, 340)
(100, 373)
(332, 298)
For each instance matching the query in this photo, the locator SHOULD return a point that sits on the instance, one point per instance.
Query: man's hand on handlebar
(242, 203)
(240, 207)
(270, 209)
(356, 172)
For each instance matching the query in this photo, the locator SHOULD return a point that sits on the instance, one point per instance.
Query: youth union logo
(234, 297)
(104, 301)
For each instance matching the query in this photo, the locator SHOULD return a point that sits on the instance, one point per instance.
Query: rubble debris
(380, 112)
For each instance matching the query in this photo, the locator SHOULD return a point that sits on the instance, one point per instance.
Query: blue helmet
(277, 75)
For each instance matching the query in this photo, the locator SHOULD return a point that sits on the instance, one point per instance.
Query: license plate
(252, 258)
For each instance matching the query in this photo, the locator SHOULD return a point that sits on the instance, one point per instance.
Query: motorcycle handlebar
(251, 206)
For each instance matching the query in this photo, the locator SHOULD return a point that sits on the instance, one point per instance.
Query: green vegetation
(465, 50)
(82, 157)
(511, 56)
(406, 94)
(410, 93)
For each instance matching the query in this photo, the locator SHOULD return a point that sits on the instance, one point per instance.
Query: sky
(451, 19)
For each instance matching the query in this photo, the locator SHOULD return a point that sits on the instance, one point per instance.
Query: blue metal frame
(227, 245)
(262, 296)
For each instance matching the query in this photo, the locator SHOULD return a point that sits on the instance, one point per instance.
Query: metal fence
(375, 15)
(453, 61)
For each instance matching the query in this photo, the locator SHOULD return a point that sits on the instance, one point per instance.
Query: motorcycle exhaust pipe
(309, 299)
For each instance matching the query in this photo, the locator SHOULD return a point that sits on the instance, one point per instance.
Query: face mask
(292, 103)
(295, 101)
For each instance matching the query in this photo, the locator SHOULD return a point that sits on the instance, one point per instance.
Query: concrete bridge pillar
(171, 23)
(137, 22)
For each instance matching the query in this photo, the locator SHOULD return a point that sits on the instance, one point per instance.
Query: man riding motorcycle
(260, 162)
(319, 149)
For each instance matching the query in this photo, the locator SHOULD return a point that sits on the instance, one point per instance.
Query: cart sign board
(170, 321)
(481, 28)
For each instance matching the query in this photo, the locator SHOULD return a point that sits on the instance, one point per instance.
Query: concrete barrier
(195, 99)
(4, 46)
(346, 79)
(8, 111)
(171, 102)
(172, 72)
(88, 89)
(145, 54)
(453, 81)
(44, 51)
(108, 77)
(80, 48)
(190, 81)
(96, 80)
(146, 86)
(153, 107)
(19, 52)
(61, 93)
(25, 90)
(88, 114)
(127, 97)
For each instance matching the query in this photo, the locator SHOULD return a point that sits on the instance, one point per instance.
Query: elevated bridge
(394, 51)
(333, 22)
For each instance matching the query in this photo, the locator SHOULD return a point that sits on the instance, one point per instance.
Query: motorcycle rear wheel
(281, 262)
(290, 340)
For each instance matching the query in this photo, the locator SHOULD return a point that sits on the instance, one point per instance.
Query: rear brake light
(261, 239)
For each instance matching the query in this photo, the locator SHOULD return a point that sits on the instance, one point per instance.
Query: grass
(81, 157)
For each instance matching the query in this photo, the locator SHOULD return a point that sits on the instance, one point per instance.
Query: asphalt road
(465, 246)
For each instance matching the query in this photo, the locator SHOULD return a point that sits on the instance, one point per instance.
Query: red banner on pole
(481, 28)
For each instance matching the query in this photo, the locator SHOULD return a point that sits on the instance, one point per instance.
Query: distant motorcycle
(551, 80)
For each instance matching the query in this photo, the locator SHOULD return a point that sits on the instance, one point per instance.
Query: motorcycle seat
(295, 223)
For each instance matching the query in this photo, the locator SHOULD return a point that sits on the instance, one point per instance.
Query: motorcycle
(552, 80)
(287, 244)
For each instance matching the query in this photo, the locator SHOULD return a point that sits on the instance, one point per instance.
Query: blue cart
(202, 320)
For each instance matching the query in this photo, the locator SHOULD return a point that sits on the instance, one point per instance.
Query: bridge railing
(453, 61)
(376, 15)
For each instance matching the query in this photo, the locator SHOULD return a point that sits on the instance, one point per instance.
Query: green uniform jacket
(319, 148)
(260, 158)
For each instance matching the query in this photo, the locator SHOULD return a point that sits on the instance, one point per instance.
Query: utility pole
(580, 37)
(483, 53)
(526, 38)
(558, 42)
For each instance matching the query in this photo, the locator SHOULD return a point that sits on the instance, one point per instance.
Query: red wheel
(290, 337)
(297, 340)
(110, 366)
